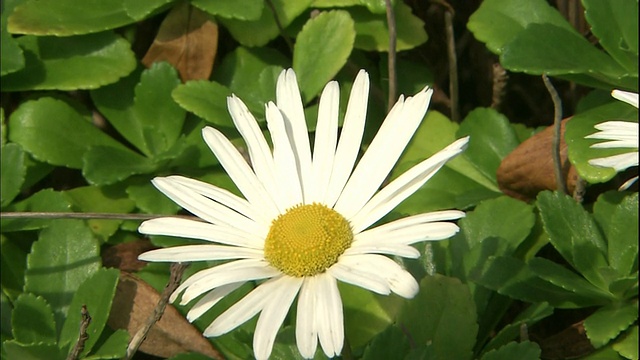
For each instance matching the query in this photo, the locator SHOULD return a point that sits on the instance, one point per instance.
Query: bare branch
(557, 119)
(393, 77)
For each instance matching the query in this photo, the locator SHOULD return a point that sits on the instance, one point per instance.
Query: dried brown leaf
(528, 169)
(124, 256)
(188, 40)
(173, 334)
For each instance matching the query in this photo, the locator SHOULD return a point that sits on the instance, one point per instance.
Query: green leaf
(533, 314)
(149, 199)
(67, 17)
(32, 320)
(139, 10)
(10, 52)
(71, 63)
(65, 255)
(207, 99)
(196, 356)
(13, 263)
(104, 165)
(627, 345)
(389, 344)
(622, 236)
(616, 25)
(232, 9)
(372, 31)
(491, 139)
(115, 347)
(554, 50)
(498, 22)
(260, 32)
(366, 314)
(13, 172)
(607, 322)
(16, 350)
(96, 293)
(443, 317)
(54, 132)
(42, 201)
(580, 151)
(574, 234)
(526, 350)
(322, 48)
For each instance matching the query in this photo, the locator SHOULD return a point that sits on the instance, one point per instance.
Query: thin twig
(279, 24)
(177, 269)
(578, 192)
(453, 65)
(557, 120)
(74, 215)
(391, 66)
(500, 78)
(85, 320)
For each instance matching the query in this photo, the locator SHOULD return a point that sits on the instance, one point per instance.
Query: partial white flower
(620, 134)
(305, 220)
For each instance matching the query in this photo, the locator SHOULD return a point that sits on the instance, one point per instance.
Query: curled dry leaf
(529, 168)
(124, 256)
(188, 40)
(570, 343)
(173, 334)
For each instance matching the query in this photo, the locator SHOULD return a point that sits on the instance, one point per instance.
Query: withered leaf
(124, 256)
(188, 40)
(529, 168)
(173, 334)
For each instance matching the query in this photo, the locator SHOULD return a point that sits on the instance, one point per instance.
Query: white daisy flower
(304, 222)
(620, 134)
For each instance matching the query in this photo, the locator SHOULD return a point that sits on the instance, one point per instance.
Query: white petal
(290, 103)
(192, 229)
(222, 196)
(243, 310)
(329, 316)
(189, 253)
(273, 314)
(287, 170)
(408, 234)
(347, 270)
(259, 151)
(383, 153)
(618, 162)
(350, 137)
(382, 248)
(239, 171)
(628, 97)
(405, 185)
(622, 134)
(211, 299)
(627, 184)
(306, 324)
(326, 138)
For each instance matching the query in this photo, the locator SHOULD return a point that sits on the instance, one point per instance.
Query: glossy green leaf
(554, 50)
(13, 172)
(622, 236)
(389, 344)
(615, 23)
(512, 277)
(115, 347)
(574, 234)
(259, 32)
(366, 314)
(71, 63)
(32, 320)
(139, 10)
(13, 263)
(16, 350)
(605, 206)
(54, 132)
(533, 314)
(10, 53)
(150, 200)
(627, 346)
(498, 22)
(96, 293)
(232, 9)
(104, 165)
(525, 350)
(65, 255)
(372, 31)
(607, 322)
(443, 317)
(44, 200)
(582, 125)
(322, 48)
(491, 139)
(207, 99)
(67, 17)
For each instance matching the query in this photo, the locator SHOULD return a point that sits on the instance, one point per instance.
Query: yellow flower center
(307, 239)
